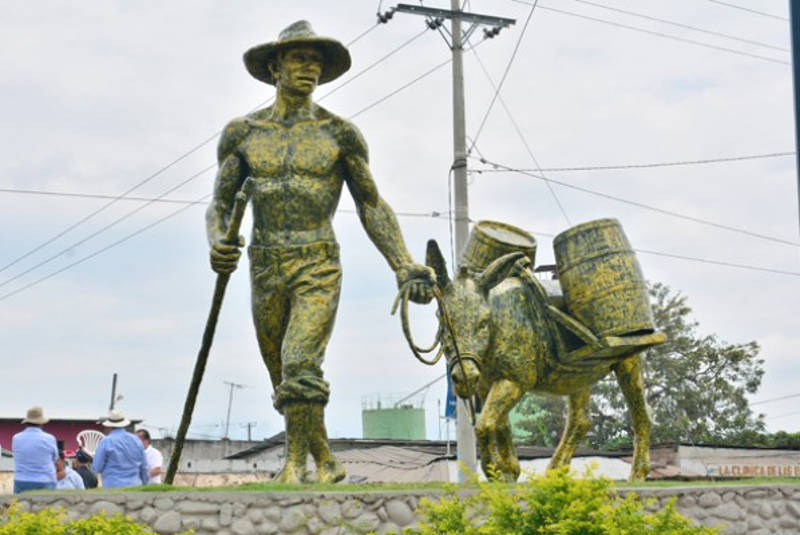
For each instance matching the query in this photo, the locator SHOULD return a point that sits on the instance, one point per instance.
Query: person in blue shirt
(120, 458)
(35, 454)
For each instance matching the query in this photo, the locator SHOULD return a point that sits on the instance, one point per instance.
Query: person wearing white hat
(35, 454)
(120, 458)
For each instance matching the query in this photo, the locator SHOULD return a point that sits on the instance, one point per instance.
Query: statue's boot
(329, 469)
(298, 430)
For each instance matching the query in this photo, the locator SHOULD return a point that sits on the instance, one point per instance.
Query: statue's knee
(465, 377)
(484, 429)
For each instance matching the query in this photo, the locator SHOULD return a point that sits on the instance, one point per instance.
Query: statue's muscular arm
(232, 173)
(377, 217)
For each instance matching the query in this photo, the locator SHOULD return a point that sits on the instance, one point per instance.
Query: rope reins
(402, 299)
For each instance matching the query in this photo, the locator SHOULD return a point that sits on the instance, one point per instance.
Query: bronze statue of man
(299, 156)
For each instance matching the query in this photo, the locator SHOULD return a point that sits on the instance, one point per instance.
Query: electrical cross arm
(475, 18)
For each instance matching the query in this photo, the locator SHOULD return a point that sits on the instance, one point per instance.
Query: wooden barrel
(603, 284)
(489, 240)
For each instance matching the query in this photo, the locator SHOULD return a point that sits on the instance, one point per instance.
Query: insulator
(383, 18)
(491, 33)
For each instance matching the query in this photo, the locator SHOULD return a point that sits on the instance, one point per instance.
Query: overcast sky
(97, 96)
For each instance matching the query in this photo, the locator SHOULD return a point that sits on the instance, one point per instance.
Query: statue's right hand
(225, 256)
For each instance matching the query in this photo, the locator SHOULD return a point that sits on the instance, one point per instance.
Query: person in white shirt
(66, 477)
(154, 458)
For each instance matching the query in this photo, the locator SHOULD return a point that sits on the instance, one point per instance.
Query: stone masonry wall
(754, 510)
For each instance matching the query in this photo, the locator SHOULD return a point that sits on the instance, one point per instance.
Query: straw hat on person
(116, 419)
(337, 58)
(35, 415)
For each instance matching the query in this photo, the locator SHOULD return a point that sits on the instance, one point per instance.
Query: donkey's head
(466, 317)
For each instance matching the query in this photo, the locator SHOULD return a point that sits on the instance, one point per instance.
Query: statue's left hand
(421, 279)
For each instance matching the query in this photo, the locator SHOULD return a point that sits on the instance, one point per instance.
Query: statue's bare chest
(280, 152)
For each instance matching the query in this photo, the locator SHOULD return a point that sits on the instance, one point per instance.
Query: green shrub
(53, 521)
(554, 504)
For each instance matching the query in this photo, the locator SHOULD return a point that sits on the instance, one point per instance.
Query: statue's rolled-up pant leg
(313, 276)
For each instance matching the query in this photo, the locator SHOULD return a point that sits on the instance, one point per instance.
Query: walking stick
(231, 236)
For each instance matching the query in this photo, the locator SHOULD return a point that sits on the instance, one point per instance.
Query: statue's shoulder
(347, 134)
(233, 134)
(254, 118)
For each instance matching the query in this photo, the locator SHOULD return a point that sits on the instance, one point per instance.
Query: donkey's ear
(434, 259)
(497, 271)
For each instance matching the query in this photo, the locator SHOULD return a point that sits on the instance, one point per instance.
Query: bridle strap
(402, 299)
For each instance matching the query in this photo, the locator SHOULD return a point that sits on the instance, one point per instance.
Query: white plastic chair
(88, 440)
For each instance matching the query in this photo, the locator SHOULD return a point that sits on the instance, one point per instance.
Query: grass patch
(716, 483)
(269, 486)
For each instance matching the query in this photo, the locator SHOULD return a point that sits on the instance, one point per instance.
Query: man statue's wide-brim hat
(337, 58)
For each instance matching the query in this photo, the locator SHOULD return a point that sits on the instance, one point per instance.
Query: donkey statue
(502, 337)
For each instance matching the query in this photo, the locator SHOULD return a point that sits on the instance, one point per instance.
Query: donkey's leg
(629, 377)
(502, 397)
(507, 452)
(578, 424)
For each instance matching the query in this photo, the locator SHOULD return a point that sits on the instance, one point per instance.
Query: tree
(696, 387)
(540, 419)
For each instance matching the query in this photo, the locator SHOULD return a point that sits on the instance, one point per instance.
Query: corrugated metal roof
(385, 464)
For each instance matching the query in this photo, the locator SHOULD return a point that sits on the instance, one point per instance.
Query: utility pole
(249, 426)
(465, 434)
(113, 392)
(794, 15)
(230, 402)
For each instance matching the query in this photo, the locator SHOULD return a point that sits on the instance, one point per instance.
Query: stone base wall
(755, 510)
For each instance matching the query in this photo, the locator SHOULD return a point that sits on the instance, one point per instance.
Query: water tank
(381, 417)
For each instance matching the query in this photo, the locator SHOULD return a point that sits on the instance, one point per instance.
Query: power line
(100, 251)
(650, 165)
(104, 228)
(774, 399)
(95, 196)
(362, 34)
(376, 63)
(188, 204)
(451, 211)
(783, 415)
(647, 206)
(695, 259)
(520, 135)
(682, 25)
(659, 34)
(401, 88)
(151, 177)
(719, 263)
(433, 214)
(437, 214)
(115, 199)
(503, 78)
(349, 43)
(749, 10)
